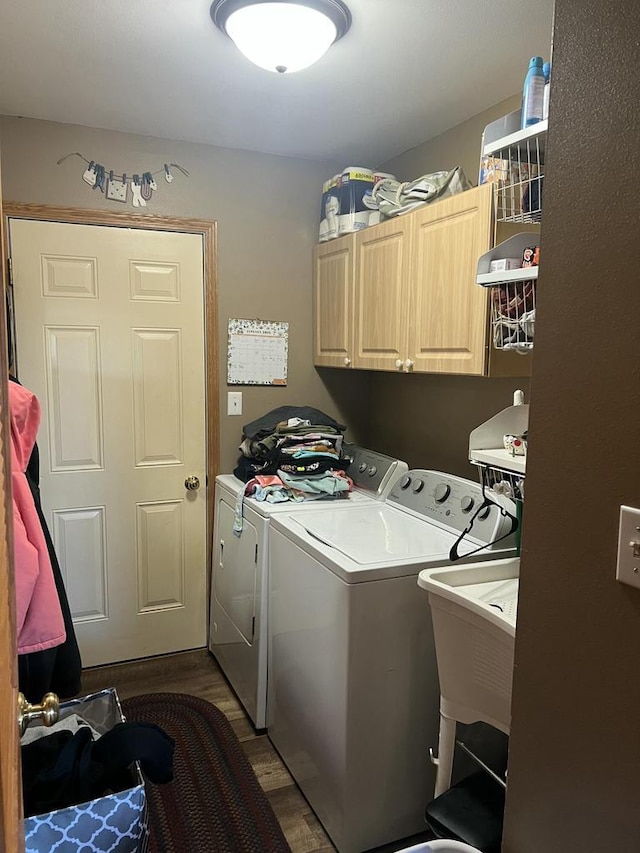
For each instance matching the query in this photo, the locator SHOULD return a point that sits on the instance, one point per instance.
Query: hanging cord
(122, 177)
(487, 502)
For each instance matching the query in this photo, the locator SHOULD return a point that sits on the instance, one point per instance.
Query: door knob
(399, 362)
(408, 364)
(47, 711)
(192, 484)
(347, 362)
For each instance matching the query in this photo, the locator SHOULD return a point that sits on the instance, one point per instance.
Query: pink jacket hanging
(39, 617)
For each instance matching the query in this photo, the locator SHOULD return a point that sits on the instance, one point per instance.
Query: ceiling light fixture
(282, 35)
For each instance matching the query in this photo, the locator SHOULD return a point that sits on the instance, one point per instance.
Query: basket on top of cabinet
(514, 162)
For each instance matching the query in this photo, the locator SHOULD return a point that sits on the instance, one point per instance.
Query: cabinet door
(449, 312)
(333, 265)
(381, 311)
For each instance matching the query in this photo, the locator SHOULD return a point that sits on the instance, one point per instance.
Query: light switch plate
(628, 565)
(234, 402)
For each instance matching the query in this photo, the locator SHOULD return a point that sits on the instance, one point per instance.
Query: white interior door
(110, 337)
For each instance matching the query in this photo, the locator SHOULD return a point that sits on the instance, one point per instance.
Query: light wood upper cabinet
(402, 295)
(381, 307)
(333, 276)
(448, 325)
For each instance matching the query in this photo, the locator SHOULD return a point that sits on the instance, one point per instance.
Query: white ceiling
(406, 71)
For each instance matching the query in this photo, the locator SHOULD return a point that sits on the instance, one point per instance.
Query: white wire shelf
(500, 480)
(513, 294)
(500, 459)
(489, 279)
(518, 140)
(515, 164)
(513, 315)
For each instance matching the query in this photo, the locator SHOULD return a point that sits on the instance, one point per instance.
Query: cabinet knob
(347, 362)
(399, 362)
(408, 364)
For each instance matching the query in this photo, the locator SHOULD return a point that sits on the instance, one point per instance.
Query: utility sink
(488, 589)
(474, 608)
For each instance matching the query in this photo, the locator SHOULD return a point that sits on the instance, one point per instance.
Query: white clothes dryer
(353, 686)
(238, 628)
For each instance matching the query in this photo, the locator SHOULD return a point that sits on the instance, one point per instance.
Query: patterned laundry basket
(116, 823)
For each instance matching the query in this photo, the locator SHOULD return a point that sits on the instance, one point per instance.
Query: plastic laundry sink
(488, 589)
(474, 608)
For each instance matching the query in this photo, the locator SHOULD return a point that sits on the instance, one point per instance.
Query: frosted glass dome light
(282, 35)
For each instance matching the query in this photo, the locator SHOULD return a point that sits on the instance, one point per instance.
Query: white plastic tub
(441, 847)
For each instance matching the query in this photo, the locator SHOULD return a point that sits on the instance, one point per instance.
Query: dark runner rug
(215, 803)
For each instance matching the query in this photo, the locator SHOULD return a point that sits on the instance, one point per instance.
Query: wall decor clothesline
(116, 186)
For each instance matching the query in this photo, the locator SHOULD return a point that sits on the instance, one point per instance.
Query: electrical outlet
(234, 402)
(628, 565)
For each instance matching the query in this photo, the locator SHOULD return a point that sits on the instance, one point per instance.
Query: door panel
(333, 303)
(448, 330)
(381, 295)
(110, 337)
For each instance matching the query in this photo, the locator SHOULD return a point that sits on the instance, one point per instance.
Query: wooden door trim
(11, 826)
(154, 222)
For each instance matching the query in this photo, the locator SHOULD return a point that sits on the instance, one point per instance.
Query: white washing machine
(353, 686)
(239, 577)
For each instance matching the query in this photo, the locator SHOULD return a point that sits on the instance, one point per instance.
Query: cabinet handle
(408, 364)
(399, 362)
(347, 362)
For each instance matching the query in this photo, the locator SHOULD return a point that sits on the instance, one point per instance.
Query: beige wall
(459, 146)
(267, 211)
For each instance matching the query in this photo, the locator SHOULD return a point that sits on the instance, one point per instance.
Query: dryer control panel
(453, 502)
(373, 472)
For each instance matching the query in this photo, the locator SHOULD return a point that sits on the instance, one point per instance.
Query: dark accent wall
(426, 419)
(574, 770)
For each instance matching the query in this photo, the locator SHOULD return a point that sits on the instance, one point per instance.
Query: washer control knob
(373, 471)
(442, 492)
(418, 486)
(405, 482)
(362, 467)
(485, 513)
(467, 503)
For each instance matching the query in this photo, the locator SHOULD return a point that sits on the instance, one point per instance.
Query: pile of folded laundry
(293, 453)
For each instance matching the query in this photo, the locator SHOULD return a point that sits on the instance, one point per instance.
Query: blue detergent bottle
(533, 93)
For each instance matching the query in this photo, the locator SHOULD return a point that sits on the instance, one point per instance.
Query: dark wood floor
(197, 673)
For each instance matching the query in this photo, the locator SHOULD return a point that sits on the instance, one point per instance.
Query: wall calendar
(257, 352)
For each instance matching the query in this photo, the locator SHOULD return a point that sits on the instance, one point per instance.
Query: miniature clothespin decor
(147, 185)
(89, 175)
(116, 188)
(136, 189)
(100, 178)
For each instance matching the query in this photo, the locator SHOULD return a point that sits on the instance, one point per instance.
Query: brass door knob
(47, 711)
(192, 484)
